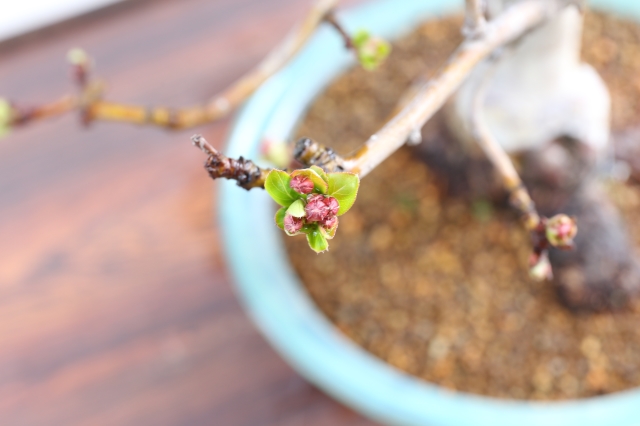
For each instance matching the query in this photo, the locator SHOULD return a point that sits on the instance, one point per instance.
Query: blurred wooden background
(115, 304)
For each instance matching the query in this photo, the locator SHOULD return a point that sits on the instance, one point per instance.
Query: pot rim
(273, 296)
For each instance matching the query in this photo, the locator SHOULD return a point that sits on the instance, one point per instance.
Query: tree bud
(301, 184)
(316, 209)
(292, 225)
(560, 231)
(372, 51)
(329, 222)
(540, 267)
(332, 206)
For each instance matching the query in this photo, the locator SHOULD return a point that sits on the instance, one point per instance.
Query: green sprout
(372, 51)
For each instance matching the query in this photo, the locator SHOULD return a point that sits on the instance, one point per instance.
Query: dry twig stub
(243, 171)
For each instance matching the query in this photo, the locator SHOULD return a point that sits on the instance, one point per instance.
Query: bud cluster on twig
(557, 231)
(370, 51)
(311, 201)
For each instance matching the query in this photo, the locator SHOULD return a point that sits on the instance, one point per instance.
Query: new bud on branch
(292, 225)
(329, 222)
(558, 231)
(301, 184)
(561, 230)
(311, 201)
(316, 208)
(323, 210)
(80, 64)
(540, 267)
(371, 51)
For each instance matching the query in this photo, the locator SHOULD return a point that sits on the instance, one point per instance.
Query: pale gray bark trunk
(539, 90)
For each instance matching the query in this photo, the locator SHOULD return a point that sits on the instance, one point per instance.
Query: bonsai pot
(278, 303)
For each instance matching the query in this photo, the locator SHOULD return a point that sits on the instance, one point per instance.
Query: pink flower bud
(292, 224)
(316, 209)
(332, 205)
(560, 231)
(329, 222)
(301, 184)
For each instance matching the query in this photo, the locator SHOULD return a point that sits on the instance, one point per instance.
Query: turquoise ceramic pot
(274, 297)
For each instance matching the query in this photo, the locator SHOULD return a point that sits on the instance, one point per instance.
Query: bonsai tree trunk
(543, 104)
(539, 90)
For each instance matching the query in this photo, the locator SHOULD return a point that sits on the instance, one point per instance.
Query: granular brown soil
(439, 287)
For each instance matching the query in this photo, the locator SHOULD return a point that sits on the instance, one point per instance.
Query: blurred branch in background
(93, 107)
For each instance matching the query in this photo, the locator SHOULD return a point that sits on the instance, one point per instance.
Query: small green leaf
(296, 209)
(329, 233)
(320, 173)
(360, 38)
(282, 211)
(343, 187)
(317, 241)
(372, 51)
(5, 116)
(309, 228)
(277, 185)
(319, 184)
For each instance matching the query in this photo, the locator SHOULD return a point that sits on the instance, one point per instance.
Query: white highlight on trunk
(540, 90)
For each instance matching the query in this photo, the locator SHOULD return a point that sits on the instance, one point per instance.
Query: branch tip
(200, 142)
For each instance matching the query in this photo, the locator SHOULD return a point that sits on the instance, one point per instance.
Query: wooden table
(116, 307)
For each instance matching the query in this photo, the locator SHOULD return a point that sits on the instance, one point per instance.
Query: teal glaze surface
(275, 299)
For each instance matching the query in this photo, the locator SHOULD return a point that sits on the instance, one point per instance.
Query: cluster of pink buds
(311, 201)
(322, 209)
(319, 208)
(561, 230)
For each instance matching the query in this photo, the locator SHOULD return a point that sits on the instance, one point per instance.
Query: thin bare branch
(545, 233)
(218, 107)
(244, 171)
(21, 115)
(511, 24)
(330, 18)
(307, 152)
(519, 196)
